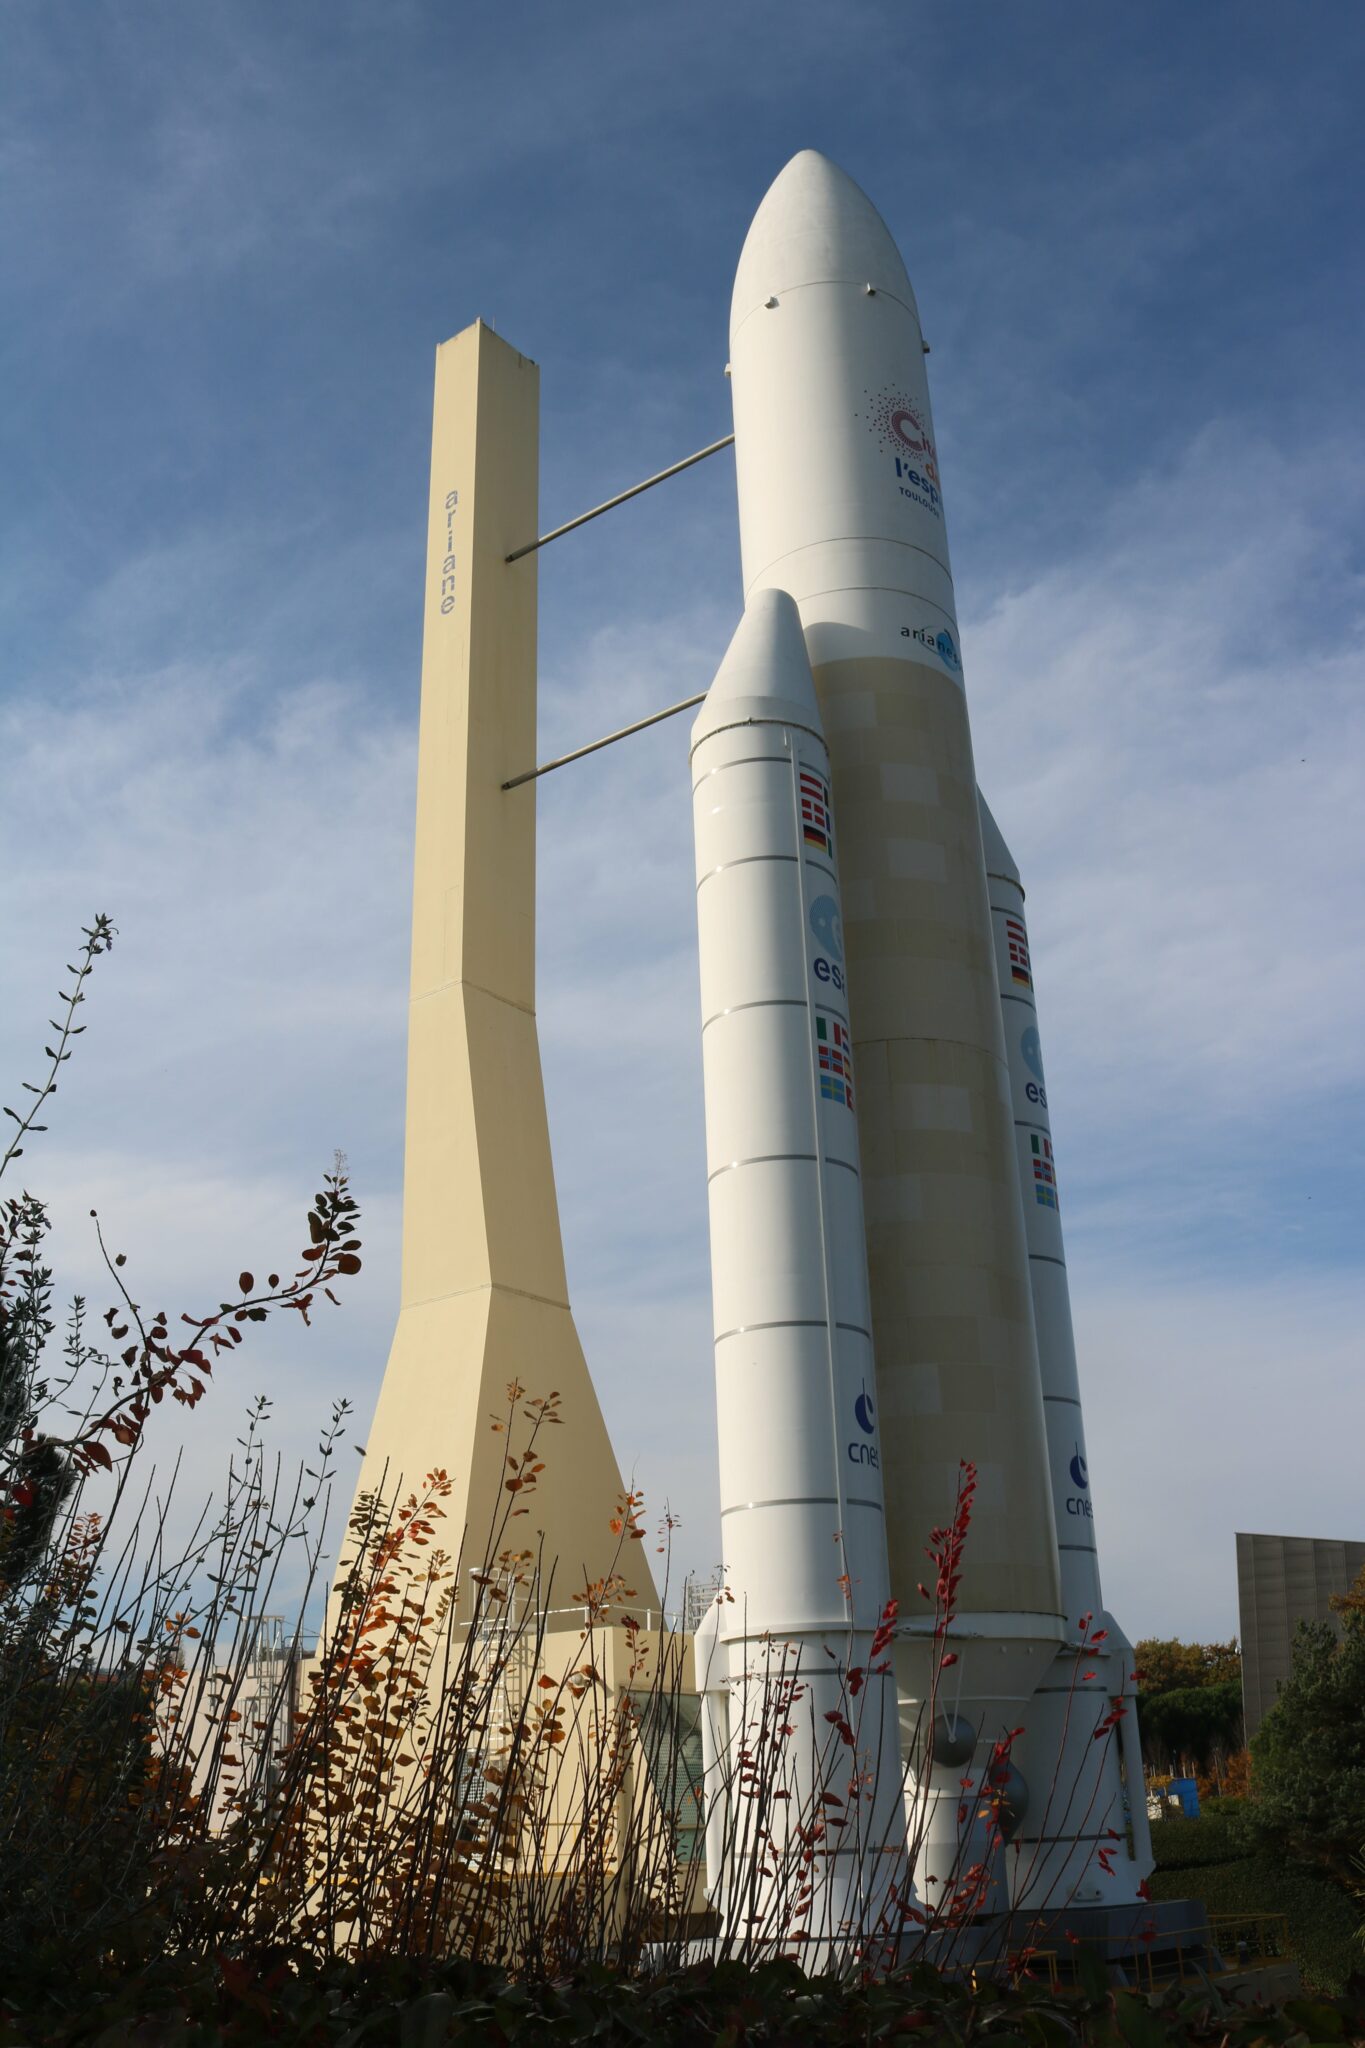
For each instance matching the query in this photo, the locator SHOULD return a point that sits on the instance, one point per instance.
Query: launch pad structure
(901, 1024)
(484, 1301)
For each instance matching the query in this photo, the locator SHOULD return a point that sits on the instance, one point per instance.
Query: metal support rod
(624, 734)
(611, 503)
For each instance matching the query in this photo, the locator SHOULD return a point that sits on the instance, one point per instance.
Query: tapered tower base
(484, 1296)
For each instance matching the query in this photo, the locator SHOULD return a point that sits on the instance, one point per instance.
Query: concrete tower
(484, 1294)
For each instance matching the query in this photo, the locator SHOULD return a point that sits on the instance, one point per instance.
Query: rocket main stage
(889, 1286)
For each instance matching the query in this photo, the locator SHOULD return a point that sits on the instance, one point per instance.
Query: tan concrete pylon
(484, 1294)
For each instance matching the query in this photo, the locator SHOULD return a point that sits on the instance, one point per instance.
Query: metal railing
(1222, 1946)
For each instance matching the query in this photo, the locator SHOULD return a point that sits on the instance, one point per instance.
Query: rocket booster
(1073, 1509)
(1081, 1801)
(802, 1516)
(840, 503)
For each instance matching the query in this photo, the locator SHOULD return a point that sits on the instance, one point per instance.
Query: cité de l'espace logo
(903, 432)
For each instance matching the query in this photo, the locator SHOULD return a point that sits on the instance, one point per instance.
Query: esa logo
(1030, 1045)
(828, 928)
(865, 1412)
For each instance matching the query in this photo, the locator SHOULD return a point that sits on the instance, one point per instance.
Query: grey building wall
(1281, 1581)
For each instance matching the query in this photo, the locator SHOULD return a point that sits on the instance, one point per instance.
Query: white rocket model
(1085, 1837)
(803, 1528)
(840, 504)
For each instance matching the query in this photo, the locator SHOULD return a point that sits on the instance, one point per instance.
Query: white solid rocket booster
(802, 1520)
(840, 503)
(1077, 1805)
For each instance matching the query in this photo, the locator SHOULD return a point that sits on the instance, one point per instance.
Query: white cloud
(1210, 1408)
(1170, 730)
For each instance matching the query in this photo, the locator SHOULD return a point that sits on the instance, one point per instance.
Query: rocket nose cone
(815, 226)
(765, 671)
(999, 859)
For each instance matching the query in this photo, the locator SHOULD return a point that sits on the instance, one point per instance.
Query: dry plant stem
(99, 937)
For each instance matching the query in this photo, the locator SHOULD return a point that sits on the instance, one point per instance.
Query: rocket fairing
(840, 503)
(1060, 1834)
(802, 1516)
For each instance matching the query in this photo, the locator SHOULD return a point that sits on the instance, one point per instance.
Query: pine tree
(1309, 1756)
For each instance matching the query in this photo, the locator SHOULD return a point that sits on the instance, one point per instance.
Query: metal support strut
(675, 469)
(593, 746)
(620, 499)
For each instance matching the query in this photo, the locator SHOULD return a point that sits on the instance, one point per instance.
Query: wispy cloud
(1170, 727)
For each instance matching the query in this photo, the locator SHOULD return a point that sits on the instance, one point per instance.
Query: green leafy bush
(1321, 1919)
(1180, 1844)
(1218, 1860)
(388, 2000)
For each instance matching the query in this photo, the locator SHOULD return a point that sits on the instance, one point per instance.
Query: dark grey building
(1281, 1581)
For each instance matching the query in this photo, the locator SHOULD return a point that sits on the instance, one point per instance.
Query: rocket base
(1144, 1945)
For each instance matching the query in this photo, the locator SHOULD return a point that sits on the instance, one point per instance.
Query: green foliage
(1321, 1919)
(1192, 1721)
(1168, 1665)
(1180, 1844)
(1217, 1859)
(1309, 1754)
(249, 1999)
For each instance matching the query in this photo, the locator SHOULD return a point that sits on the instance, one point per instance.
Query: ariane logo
(448, 565)
(1080, 1474)
(941, 643)
(903, 432)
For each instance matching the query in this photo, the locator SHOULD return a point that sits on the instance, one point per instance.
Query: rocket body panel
(801, 1501)
(802, 1521)
(840, 504)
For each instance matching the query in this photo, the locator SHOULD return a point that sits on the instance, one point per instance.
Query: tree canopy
(1168, 1665)
(1192, 1723)
(1309, 1754)
(1190, 1702)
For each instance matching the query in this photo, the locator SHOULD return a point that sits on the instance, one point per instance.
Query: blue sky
(232, 237)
